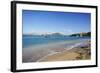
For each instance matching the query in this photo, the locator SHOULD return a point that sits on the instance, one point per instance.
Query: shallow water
(38, 40)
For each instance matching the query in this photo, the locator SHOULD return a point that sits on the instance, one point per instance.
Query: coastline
(58, 52)
(76, 53)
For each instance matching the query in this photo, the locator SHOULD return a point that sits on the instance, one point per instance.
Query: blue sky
(42, 22)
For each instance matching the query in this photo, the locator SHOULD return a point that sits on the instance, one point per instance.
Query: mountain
(54, 35)
(57, 34)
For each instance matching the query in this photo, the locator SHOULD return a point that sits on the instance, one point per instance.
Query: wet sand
(73, 54)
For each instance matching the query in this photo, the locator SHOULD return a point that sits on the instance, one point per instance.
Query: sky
(44, 22)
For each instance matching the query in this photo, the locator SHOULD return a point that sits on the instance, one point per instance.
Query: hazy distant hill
(54, 35)
(45, 35)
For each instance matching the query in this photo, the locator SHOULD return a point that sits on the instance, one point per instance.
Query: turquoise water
(37, 40)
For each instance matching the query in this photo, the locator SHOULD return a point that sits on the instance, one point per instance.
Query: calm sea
(37, 40)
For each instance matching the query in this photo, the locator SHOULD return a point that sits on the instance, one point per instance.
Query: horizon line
(52, 33)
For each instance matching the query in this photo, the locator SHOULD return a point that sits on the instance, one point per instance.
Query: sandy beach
(58, 52)
(77, 53)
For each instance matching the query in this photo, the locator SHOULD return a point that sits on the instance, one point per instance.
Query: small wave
(81, 44)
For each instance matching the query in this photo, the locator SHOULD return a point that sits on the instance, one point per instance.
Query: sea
(31, 40)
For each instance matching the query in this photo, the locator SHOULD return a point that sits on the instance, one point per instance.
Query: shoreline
(46, 52)
(76, 53)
